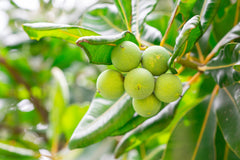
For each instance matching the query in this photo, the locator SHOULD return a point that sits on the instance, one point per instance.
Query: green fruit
(168, 88)
(126, 56)
(155, 59)
(139, 83)
(147, 107)
(110, 84)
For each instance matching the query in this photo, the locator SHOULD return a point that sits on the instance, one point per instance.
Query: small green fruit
(147, 107)
(126, 56)
(155, 59)
(168, 88)
(110, 84)
(139, 83)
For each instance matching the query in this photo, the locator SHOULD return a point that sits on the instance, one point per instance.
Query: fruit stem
(204, 68)
(169, 25)
(200, 55)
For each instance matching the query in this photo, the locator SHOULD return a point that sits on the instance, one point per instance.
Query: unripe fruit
(147, 107)
(168, 88)
(110, 84)
(139, 83)
(126, 56)
(155, 59)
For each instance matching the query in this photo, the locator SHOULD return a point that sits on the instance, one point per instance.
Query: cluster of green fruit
(148, 86)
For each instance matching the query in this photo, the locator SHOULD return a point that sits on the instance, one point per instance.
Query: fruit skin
(110, 84)
(155, 59)
(139, 83)
(147, 107)
(168, 88)
(126, 56)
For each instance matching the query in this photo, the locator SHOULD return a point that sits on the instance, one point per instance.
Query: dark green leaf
(99, 48)
(227, 107)
(221, 67)
(186, 39)
(104, 19)
(188, 135)
(156, 153)
(153, 125)
(140, 10)
(66, 32)
(106, 119)
(208, 13)
(224, 17)
(151, 34)
(125, 9)
(223, 152)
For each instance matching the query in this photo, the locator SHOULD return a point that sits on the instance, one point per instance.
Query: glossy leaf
(153, 125)
(221, 67)
(223, 152)
(188, 135)
(98, 48)
(140, 10)
(65, 32)
(131, 124)
(227, 108)
(125, 10)
(208, 13)
(93, 130)
(186, 39)
(105, 17)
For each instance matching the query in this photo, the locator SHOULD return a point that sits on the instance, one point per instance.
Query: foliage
(49, 107)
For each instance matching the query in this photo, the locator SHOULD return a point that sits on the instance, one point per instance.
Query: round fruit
(110, 84)
(155, 59)
(139, 83)
(168, 88)
(126, 56)
(147, 107)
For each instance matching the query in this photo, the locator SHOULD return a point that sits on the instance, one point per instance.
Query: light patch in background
(64, 4)
(3, 20)
(28, 4)
(25, 106)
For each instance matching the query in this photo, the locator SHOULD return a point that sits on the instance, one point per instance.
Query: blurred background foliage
(46, 86)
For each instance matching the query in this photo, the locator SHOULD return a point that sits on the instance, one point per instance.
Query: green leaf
(192, 134)
(66, 32)
(152, 125)
(186, 7)
(151, 34)
(208, 13)
(101, 120)
(131, 124)
(186, 39)
(227, 108)
(125, 10)
(59, 100)
(71, 117)
(156, 153)
(11, 151)
(140, 10)
(99, 48)
(221, 67)
(103, 19)
(223, 152)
